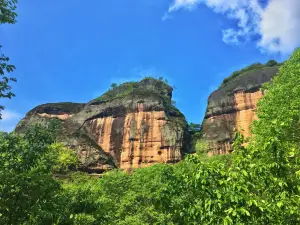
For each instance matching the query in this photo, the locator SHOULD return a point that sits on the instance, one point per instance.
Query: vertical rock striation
(133, 125)
(233, 106)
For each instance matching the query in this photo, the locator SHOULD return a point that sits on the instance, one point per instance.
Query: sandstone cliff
(233, 106)
(133, 125)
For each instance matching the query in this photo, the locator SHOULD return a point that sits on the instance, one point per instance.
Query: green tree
(62, 159)
(271, 63)
(194, 127)
(279, 110)
(7, 15)
(7, 9)
(28, 192)
(113, 85)
(277, 137)
(201, 147)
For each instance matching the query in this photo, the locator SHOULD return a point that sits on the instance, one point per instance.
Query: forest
(259, 183)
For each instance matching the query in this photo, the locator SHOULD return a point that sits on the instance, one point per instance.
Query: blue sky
(70, 51)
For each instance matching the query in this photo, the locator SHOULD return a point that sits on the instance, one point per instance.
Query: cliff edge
(233, 105)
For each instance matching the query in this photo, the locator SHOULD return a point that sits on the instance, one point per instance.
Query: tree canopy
(8, 11)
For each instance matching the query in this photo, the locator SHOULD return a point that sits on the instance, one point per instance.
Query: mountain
(135, 125)
(130, 126)
(233, 105)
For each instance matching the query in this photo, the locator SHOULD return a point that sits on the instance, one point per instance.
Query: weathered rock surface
(233, 106)
(92, 157)
(133, 125)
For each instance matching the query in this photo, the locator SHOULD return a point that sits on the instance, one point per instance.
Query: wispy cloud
(135, 74)
(166, 16)
(188, 4)
(231, 37)
(277, 22)
(142, 72)
(9, 120)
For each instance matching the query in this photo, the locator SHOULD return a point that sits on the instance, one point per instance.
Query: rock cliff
(132, 125)
(233, 106)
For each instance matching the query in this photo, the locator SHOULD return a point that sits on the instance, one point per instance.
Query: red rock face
(144, 141)
(245, 105)
(233, 107)
(136, 140)
(133, 125)
(241, 119)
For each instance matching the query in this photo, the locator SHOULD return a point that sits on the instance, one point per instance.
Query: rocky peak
(233, 105)
(146, 86)
(132, 125)
(61, 111)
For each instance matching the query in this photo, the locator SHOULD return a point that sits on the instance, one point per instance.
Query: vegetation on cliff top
(251, 68)
(147, 87)
(157, 86)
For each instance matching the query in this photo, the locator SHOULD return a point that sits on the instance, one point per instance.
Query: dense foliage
(28, 192)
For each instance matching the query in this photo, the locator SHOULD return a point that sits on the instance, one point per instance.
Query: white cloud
(189, 4)
(142, 72)
(280, 26)
(277, 24)
(9, 120)
(136, 74)
(231, 36)
(166, 16)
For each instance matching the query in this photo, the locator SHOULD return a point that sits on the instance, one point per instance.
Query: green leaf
(279, 204)
(245, 173)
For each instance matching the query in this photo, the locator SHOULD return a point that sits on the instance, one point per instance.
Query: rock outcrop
(233, 106)
(133, 125)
